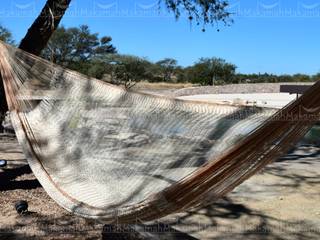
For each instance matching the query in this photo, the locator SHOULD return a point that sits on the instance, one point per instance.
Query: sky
(274, 36)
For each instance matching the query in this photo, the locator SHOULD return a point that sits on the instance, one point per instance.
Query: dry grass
(161, 85)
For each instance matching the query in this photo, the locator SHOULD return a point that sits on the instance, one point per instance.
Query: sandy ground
(282, 202)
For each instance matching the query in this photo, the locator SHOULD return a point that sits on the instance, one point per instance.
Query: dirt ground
(282, 202)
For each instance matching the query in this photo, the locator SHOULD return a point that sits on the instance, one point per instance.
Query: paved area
(267, 100)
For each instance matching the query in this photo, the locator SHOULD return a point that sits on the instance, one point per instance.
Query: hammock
(106, 153)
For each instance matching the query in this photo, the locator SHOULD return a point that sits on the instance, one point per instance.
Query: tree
(302, 78)
(6, 35)
(181, 74)
(210, 71)
(76, 44)
(126, 70)
(97, 69)
(105, 46)
(167, 67)
(316, 77)
(59, 47)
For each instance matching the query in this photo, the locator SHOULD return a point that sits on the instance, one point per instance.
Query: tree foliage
(77, 44)
(6, 35)
(167, 68)
(81, 50)
(201, 11)
(211, 71)
(272, 78)
(127, 70)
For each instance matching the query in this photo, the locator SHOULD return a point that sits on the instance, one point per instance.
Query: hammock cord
(106, 153)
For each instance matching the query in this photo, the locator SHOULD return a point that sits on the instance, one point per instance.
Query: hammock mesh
(106, 153)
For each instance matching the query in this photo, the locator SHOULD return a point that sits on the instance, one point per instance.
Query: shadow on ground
(228, 220)
(218, 221)
(8, 179)
(259, 226)
(225, 219)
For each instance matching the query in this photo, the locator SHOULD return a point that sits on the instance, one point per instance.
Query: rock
(3, 163)
(21, 206)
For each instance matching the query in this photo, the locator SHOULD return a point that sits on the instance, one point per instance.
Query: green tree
(316, 77)
(302, 78)
(76, 44)
(167, 68)
(127, 70)
(181, 74)
(96, 69)
(6, 35)
(211, 71)
(60, 47)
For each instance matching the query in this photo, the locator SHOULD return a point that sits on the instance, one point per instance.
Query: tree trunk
(43, 27)
(37, 38)
(3, 104)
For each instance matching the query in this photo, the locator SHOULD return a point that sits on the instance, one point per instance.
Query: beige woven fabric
(106, 153)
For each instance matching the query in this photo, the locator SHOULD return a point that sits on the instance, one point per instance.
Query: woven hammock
(106, 153)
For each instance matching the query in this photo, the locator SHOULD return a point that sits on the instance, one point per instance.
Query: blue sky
(275, 36)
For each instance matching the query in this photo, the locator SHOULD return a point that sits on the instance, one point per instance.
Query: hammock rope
(106, 153)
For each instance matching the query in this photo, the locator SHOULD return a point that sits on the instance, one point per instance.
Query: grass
(161, 85)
